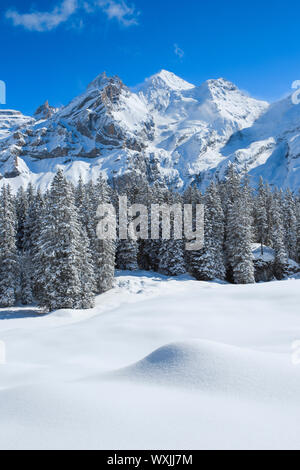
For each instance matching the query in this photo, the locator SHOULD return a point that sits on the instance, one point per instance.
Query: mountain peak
(173, 81)
(223, 91)
(98, 82)
(168, 129)
(221, 83)
(166, 80)
(102, 80)
(45, 111)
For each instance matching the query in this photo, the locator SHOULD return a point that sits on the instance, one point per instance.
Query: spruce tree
(261, 215)
(23, 205)
(153, 246)
(9, 262)
(21, 212)
(63, 262)
(238, 231)
(238, 243)
(105, 250)
(127, 250)
(127, 255)
(33, 224)
(290, 225)
(171, 252)
(192, 197)
(209, 263)
(278, 238)
(147, 256)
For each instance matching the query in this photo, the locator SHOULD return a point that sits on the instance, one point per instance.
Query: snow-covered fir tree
(50, 251)
(238, 231)
(171, 253)
(278, 237)
(192, 196)
(127, 255)
(21, 213)
(209, 263)
(127, 249)
(238, 244)
(33, 224)
(9, 259)
(261, 215)
(290, 224)
(23, 203)
(105, 250)
(153, 246)
(63, 262)
(144, 196)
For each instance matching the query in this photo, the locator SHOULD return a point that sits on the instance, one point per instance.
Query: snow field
(158, 363)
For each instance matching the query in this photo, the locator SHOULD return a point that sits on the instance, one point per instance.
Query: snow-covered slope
(12, 124)
(271, 146)
(165, 128)
(158, 364)
(11, 121)
(105, 119)
(194, 123)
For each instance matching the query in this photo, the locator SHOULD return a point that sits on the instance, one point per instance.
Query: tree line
(50, 253)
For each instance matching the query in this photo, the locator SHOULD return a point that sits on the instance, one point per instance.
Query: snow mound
(56, 393)
(218, 368)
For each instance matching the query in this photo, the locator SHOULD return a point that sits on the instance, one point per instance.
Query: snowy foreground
(157, 364)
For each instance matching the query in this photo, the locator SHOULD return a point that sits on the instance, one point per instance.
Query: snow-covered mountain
(164, 129)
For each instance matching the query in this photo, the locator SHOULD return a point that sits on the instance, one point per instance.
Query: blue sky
(53, 49)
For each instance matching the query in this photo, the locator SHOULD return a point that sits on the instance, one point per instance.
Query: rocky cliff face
(45, 112)
(165, 129)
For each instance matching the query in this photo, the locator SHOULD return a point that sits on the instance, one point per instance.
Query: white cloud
(178, 51)
(120, 11)
(46, 21)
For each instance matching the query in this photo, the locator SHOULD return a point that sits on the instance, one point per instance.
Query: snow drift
(218, 368)
(217, 371)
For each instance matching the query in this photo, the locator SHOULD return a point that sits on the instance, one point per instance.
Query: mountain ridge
(165, 129)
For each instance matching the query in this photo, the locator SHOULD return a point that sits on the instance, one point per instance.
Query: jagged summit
(45, 111)
(98, 82)
(221, 83)
(102, 80)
